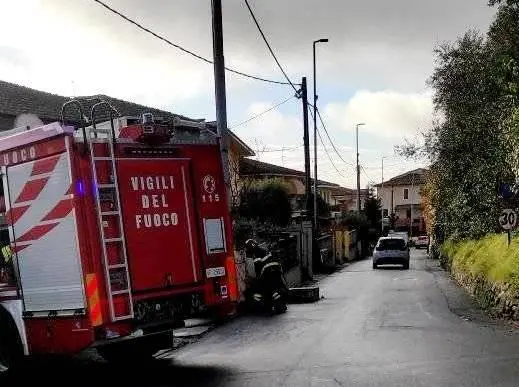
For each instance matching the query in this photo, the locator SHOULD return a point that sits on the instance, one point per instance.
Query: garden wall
(489, 269)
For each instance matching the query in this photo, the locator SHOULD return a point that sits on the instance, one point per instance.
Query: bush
(354, 221)
(489, 259)
(266, 202)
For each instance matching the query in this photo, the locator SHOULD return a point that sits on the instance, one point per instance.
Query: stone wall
(499, 299)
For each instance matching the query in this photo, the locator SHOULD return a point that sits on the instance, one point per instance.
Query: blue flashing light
(80, 188)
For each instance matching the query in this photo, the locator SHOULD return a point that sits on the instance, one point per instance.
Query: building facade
(402, 196)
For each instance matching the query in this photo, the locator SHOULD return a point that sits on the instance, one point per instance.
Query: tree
(323, 209)
(266, 202)
(373, 209)
(473, 146)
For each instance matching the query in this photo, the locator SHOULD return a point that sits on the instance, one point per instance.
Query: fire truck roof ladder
(82, 117)
(113, 271)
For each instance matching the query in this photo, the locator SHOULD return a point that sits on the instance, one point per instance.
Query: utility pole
(392, 225)
(306, 140)
(358, 167)
(411, 200)
(220, 95)
(382, 198)
(316, 223)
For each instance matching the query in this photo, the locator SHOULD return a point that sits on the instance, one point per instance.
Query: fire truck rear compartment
(159, 222)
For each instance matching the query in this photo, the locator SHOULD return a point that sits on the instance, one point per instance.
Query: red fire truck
(113, 234)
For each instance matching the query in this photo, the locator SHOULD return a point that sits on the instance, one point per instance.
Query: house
(327, 192)
(346, 198)
(20, 105)
(402, 196)
(251, 170)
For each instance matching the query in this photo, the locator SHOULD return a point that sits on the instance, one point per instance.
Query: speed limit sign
(508, 219)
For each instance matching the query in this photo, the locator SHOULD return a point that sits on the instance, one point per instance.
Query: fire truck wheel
(11, 348)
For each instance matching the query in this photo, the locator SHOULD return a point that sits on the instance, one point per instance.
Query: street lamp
(382, 197)
(358, 168)
(315, 134)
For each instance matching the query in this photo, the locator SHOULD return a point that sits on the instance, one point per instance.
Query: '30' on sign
(508, 219)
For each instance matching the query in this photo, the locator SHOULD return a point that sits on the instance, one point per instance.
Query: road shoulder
(461, 303)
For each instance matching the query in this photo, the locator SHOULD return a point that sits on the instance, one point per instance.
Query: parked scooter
(269, 291)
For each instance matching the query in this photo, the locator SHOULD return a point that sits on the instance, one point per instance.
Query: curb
(304, 295)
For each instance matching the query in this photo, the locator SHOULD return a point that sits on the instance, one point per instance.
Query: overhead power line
(268, 45)
(263, 112)
(324, 146)
(328, 154)
(284, 149)
(370, 180)
(331, 141)
(185, 50)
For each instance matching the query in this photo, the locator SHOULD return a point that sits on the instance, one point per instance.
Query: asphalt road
(387, 327)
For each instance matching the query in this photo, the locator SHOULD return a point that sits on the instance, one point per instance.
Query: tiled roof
(255, 167)
(342, 191)
(414, 177)
(251, 167)
(16, 100)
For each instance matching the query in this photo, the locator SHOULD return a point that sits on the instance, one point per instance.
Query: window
(386, 213)
(408, 213)
(391, 244)
(214, 235)
(406, 193)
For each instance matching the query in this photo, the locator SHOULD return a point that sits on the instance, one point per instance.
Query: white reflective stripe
(8, 293)
(24, 243)
(40, 176)
(263, 259)
(47, 222)
(28, 203)
(269, 265)
(53, 191)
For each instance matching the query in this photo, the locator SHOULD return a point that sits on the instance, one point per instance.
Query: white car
(391, 250)
(422, 241)
(399, 234)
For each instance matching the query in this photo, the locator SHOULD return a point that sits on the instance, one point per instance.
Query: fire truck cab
(111, 235)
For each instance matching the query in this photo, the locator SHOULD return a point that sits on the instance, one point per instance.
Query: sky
(373, 70)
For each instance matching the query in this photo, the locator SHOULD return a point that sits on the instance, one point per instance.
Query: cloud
(277, 138)
(374, 45)
(274, 129)
(75, 56)
(101, 51)
(386, 113)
